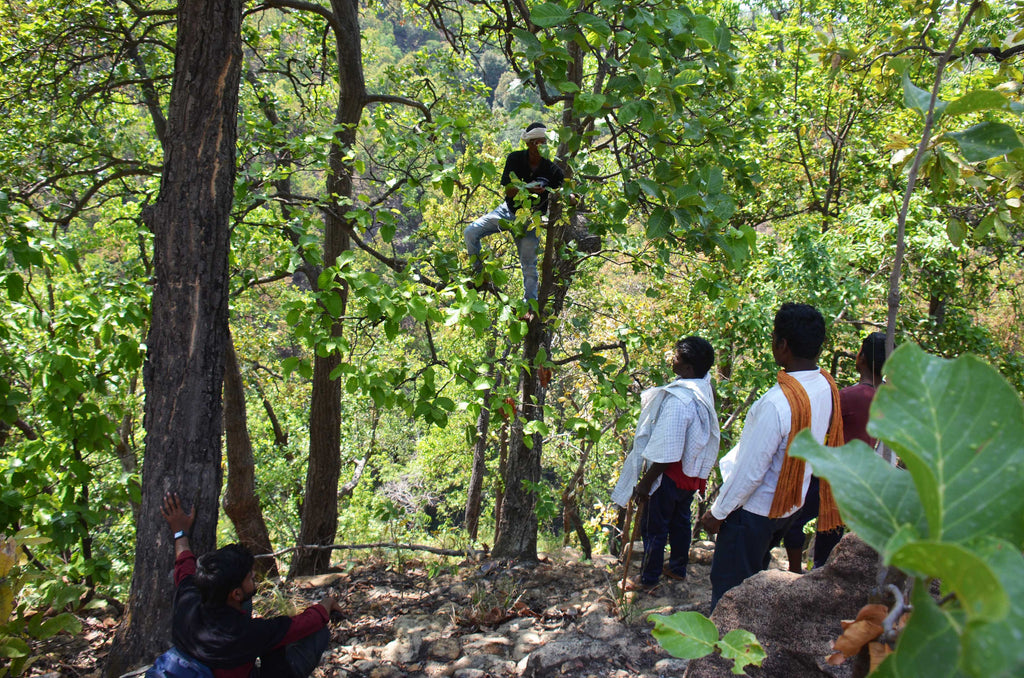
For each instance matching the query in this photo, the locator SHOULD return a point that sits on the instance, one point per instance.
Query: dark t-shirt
(855, 401)
(518, 163)
(226, 640)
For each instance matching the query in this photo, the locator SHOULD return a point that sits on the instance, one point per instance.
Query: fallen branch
(378, 545)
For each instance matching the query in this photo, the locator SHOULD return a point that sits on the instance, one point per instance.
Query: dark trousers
(296, 660)
(743, 548)
(666, 520)
(824, 542)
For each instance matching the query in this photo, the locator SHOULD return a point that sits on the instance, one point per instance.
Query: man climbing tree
(539, 174)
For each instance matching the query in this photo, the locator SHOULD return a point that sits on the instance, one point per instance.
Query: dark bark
(517, 531)
(185, 358)
(240, 501)
(320, 504)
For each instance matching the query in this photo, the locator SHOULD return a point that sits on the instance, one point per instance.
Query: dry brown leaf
(857, 634)
(878, 652)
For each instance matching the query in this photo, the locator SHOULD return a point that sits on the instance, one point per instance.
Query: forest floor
(407, 616)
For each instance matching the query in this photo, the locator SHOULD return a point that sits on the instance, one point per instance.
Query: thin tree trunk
(320, 505)
(474, 496)
(517, 536)
(922, 149)
(240, 501)
(184, 367)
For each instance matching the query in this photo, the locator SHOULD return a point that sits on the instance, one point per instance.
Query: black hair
(803, 328)
(873, 349)
(535, 125)
(221, 572)
(697, 353)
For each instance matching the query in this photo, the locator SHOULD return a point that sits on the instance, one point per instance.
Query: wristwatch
(179, 534)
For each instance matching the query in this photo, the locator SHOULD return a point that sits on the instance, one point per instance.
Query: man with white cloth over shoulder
(675, 447)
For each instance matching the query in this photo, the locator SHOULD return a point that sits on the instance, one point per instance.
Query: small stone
(444, 648)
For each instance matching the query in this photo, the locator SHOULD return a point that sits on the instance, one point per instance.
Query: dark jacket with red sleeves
(225, 639)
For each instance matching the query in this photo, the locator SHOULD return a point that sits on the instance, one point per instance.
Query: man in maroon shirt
(212, 620)
(855, 402)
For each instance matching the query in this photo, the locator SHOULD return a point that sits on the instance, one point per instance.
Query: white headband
(535, 133)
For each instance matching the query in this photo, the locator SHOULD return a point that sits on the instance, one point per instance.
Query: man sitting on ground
(212, 620)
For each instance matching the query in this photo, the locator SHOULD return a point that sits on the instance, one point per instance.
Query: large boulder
(795, 617)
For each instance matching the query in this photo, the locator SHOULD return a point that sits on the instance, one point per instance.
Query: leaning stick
(632, 538)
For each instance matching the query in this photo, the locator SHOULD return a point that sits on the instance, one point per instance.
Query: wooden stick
(632, 538)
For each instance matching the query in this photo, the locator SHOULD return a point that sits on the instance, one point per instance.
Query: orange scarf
(789, 490)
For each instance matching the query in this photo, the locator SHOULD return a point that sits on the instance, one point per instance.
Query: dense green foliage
(731, 156)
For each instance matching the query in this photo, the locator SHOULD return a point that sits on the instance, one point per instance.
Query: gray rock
(795, 617)
(448, 649)
(563, 654)
(403, 649)
(671, 667)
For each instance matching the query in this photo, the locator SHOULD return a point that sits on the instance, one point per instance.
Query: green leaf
(742, 647)
(875, 499)
(687, 635)
(919, 100)
(660, 224)
(589, 102)
(929, 645)
(986, 140)
(956, 231)
(957, 424)
(594, 23)
(549, 14)
(979, 100)
(961, 570)
(12, 648)
(994, 649)
(15, 286)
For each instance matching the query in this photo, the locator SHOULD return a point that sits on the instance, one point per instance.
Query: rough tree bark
(184, 367)
(240, 501)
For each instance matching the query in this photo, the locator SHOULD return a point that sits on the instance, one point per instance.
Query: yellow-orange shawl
(789, 490)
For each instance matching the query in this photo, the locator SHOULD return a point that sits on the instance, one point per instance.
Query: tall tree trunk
(517, 531)
(320, 505)
(184, 367)
(240, 502)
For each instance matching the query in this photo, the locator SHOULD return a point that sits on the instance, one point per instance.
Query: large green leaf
(876, 500)
(986, 140)
(996, 649)
(687, 635)
(929, 645)
(979, 100)
(957, 424)
(919, 99)
(961, 570)
(549, 14)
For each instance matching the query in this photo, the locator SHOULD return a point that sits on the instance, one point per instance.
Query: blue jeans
(743, 549)
(296, 660)
(490, 224)
(666, 520)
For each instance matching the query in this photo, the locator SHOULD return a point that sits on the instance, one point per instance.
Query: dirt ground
(410, 616)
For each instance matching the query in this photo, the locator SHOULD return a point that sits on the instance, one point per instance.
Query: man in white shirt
(677, 440)
(747, 515)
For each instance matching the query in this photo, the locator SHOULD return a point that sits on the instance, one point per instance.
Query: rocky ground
(413, 617)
